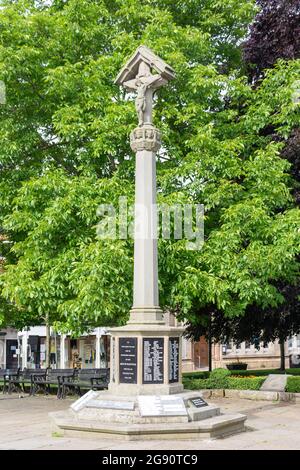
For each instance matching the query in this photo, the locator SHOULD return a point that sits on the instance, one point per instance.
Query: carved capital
(145, 138)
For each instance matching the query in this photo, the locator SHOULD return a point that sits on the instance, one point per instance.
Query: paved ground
(24, 424)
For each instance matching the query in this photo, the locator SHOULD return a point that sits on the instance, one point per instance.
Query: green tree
(252, 233)
(65, 150)
(258, 325)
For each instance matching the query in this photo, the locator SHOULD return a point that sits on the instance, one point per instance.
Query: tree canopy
(271, 38)
(275, 34)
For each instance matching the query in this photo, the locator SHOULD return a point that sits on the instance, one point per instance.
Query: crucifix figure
(145, 85)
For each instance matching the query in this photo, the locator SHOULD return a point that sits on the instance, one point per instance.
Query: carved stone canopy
(144, 55)
(145, 138)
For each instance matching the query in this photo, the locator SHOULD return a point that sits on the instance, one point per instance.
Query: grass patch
(57, 434)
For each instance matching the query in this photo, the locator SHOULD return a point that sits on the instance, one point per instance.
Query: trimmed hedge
(240, 383)
(222, 379)
(218, 378)
(235, 383)
(244, 373)
(293, 385)
(197, 384)
(264, 372)
(196, 374)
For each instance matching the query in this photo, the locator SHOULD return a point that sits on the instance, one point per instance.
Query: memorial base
(184, 416)
(145, 360)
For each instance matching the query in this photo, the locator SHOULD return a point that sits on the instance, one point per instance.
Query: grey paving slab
(275, 383)
(24, 424)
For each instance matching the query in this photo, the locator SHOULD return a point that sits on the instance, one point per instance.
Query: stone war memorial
(145, 398)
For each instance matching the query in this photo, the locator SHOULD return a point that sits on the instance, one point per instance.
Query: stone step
(223, 425)
(215, 427)
(198, 414)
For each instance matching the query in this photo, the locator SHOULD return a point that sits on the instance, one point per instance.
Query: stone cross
(144, 84)
(145, 141)
(146, 352)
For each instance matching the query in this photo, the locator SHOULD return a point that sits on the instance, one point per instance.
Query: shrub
(294, 371)
(237, 366)
(218, 378)
(196, 375)
(245, 383)
(219, 374)
(238, 379)
(293, 385)
(244, 373)
(225, 381)
(197, 384)
(256, 373)
(264, 372)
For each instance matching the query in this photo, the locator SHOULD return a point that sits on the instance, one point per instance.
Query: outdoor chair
(19, 382)
(51, 377)
(95, 379)
(6, 375)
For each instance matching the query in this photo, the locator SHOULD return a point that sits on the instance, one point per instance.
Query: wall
(267, 357)
(195, 355)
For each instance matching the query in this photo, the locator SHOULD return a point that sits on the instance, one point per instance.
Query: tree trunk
(47, 341)
(209, 345)
(209, 354)
(282, 355)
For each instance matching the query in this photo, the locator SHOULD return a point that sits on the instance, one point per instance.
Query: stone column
(145, 142)
(146, 353)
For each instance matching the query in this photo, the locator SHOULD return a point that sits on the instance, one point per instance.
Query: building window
(298, 341)
(247, 344)
(227, 347)
(290, 342)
